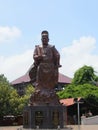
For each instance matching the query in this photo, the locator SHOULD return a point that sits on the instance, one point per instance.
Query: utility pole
(78, 102)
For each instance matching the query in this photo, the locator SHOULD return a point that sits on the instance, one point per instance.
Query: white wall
(89, 120)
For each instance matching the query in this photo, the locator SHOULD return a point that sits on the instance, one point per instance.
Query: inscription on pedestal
(55, 118)
(39, 118)
(44, 117)
(26, 118)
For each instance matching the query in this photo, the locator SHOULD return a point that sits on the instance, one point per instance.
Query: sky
(72, 27)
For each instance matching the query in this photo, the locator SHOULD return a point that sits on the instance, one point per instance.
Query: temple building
(21, 83)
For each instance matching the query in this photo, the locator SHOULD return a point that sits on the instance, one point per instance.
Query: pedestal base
(44, 117)
(45, 129)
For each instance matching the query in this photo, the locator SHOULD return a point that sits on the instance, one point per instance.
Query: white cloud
(9, 33)
(79, 53)
(16, 66)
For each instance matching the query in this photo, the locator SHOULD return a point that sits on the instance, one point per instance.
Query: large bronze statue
(45, 72)
(44, 111)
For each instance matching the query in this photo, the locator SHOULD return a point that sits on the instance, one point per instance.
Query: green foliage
(92, 103)
(73, 91)
(82, 84)
(92, 100)
(10, 101)
(84, 75)
(3, 79)
(29, 90)
(5, 90)
(19, 102)
(14, 102)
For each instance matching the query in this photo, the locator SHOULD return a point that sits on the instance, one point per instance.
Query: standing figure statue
(45, 71)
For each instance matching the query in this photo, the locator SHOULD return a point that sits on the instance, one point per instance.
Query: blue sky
(72, 26)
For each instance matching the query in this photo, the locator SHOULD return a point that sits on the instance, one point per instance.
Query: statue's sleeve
(56, 53)
(35, 54)
(56, 56)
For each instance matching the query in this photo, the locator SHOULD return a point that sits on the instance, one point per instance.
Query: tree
(29, 90)
(18, 103)
(92, 103)
(14, 102)
(82, 84)
(73, 91)
(84, 75)
(10, 101)
(5, 90)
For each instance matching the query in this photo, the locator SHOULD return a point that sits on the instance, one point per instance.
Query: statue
(44, 110)
(44, 72)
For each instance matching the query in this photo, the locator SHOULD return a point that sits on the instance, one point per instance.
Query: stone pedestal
(44, 117)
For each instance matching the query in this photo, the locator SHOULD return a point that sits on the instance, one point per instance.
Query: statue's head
(45, 32)
(45, 37)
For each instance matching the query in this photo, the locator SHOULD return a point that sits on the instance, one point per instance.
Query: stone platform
(44, 117)
(69, 127)
(46, 129)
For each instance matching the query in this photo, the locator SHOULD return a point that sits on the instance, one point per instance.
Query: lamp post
(78, 102)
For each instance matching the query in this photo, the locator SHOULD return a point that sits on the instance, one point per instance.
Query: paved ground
(74, 127)
(85, 127)
(9, 128)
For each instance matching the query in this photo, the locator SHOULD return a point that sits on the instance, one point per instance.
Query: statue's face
(45, 39)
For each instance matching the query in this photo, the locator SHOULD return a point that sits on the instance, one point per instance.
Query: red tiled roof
(26, 78)
(64, 79)
(68, 101)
